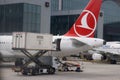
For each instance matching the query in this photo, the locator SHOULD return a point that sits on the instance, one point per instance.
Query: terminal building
(25, 15)
(56, 16)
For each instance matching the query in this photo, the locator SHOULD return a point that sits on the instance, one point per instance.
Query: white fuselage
(68, 46)
(110, 47)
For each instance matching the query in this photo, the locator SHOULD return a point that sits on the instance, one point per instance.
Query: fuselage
(68, 46)
(74, 45)
(110, 47)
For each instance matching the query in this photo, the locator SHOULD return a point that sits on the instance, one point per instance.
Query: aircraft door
(58, 41)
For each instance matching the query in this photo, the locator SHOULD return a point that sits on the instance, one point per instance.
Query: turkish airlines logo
(86, 24)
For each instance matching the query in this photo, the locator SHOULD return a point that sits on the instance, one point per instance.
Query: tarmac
(91, 71)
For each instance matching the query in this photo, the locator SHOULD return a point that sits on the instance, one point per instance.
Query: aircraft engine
(97, 56)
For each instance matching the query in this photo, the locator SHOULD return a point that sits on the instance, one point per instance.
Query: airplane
(110, 51)
(79, 38)
(112, 44)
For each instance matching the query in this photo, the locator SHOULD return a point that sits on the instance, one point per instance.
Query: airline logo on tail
(87, 24)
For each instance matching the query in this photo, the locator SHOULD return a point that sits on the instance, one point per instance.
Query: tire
(66, 69)
(51, 71)
(113, 61)
(24, 73)
(78, 69)
(33, 72)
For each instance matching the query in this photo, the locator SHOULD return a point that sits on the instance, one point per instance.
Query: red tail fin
(86, 23)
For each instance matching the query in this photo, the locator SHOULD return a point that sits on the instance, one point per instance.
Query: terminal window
(20, 17)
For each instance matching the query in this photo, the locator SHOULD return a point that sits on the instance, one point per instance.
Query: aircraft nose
(104, 42)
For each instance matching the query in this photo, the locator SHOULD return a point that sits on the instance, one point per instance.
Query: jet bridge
(26, 42)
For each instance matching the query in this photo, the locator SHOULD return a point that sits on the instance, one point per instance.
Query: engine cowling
(97, 56)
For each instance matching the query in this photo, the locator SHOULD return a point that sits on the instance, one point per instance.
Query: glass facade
(69, 4)
(111, 12)
(19, 17)
(74, 4)
(11, 17)
(54, 5)
(111, 21)
(112, 31)
(61, 24)
(31, 15)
